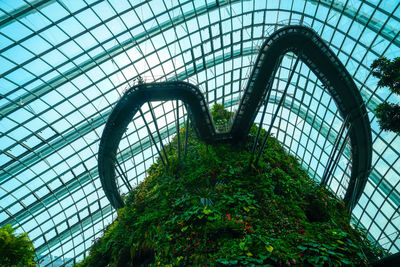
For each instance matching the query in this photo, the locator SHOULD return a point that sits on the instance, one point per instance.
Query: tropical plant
(221, 117)
(388, 73)
(214, 210)
(15, 250)
(218, 112)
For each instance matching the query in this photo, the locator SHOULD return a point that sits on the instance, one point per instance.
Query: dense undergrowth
(213, 209)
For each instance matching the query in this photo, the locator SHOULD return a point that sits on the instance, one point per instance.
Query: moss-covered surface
(213, 209)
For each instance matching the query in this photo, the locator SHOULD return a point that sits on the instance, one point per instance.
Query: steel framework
(65, 64)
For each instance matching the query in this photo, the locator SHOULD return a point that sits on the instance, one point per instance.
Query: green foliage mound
(15, 250)
(215, 210)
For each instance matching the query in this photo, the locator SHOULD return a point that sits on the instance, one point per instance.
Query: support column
(327, 170)
(277, 110)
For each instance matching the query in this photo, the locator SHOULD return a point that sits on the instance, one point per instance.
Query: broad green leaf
(269, 248)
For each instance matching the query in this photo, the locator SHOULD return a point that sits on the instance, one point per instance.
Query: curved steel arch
(300, 40)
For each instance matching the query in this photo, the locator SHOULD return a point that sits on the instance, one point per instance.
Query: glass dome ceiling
(64, 65)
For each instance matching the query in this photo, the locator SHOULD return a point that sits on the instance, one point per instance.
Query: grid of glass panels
(64, 64)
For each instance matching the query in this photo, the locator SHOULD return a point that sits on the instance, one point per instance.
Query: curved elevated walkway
(127, 107)
(302, 41)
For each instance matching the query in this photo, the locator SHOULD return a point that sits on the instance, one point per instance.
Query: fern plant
(15, 250)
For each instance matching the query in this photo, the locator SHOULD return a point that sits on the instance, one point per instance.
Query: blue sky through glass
(64, 64)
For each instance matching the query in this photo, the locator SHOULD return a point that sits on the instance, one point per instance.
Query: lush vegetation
(221, 117)
(213, 209)
(388, 73)
(15, 250)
